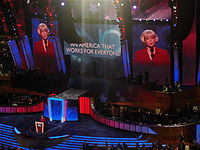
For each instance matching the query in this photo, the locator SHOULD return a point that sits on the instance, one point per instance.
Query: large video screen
(150, 9)
(99, 54)
(47, 51)
(151, 52)
(99, 40)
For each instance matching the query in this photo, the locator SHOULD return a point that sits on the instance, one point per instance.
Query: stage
(58, 132)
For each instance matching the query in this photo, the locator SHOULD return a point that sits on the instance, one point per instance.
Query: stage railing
(22, 109)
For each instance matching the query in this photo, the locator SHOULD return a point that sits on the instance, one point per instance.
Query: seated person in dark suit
(151, 59)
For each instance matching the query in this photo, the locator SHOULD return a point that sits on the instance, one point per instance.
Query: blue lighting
(103, 141)
(7, 136)
(63, 110)
(7, 132)
(125, 57)
(23, 148)
(72, 111)
(57, 99)
(54, 112)
(197, 133)
(4, 125)
(51, 149)
(110, 140)
(6, 129)
(56, 137)
(74, 143)
(17, 131)
(9, 142)
(198, 76)
(15, 53)
(104, 138)
(176, 75)
(59, 54)
(176, 68)
(67, 147)
(46, 113)
(7, 139)
(27, 52)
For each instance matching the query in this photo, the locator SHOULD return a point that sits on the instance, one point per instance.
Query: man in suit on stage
(154, 60)
(44, 53)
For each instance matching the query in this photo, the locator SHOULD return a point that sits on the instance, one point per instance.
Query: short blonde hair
(42, 25)
(144, 34)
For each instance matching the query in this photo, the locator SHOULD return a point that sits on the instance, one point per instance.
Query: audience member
(125, 147)
(181, 138)
(194, 145)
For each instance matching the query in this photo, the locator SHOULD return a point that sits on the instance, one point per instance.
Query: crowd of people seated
(188, 113)
(119, 146)
(181, 145)
(167, 88)
(17, 99)
(7, 66)
(139, 115)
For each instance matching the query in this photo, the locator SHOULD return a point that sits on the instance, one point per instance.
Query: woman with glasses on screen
(151, 59)
(44, 53)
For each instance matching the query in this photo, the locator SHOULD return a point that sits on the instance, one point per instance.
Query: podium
(39, 126)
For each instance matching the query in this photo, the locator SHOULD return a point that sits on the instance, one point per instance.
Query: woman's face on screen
(44, 33)
(150, 40)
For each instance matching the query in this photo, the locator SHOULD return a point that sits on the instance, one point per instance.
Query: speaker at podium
(39, 126)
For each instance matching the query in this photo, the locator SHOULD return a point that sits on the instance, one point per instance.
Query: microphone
(152, 50)
(45, 42)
